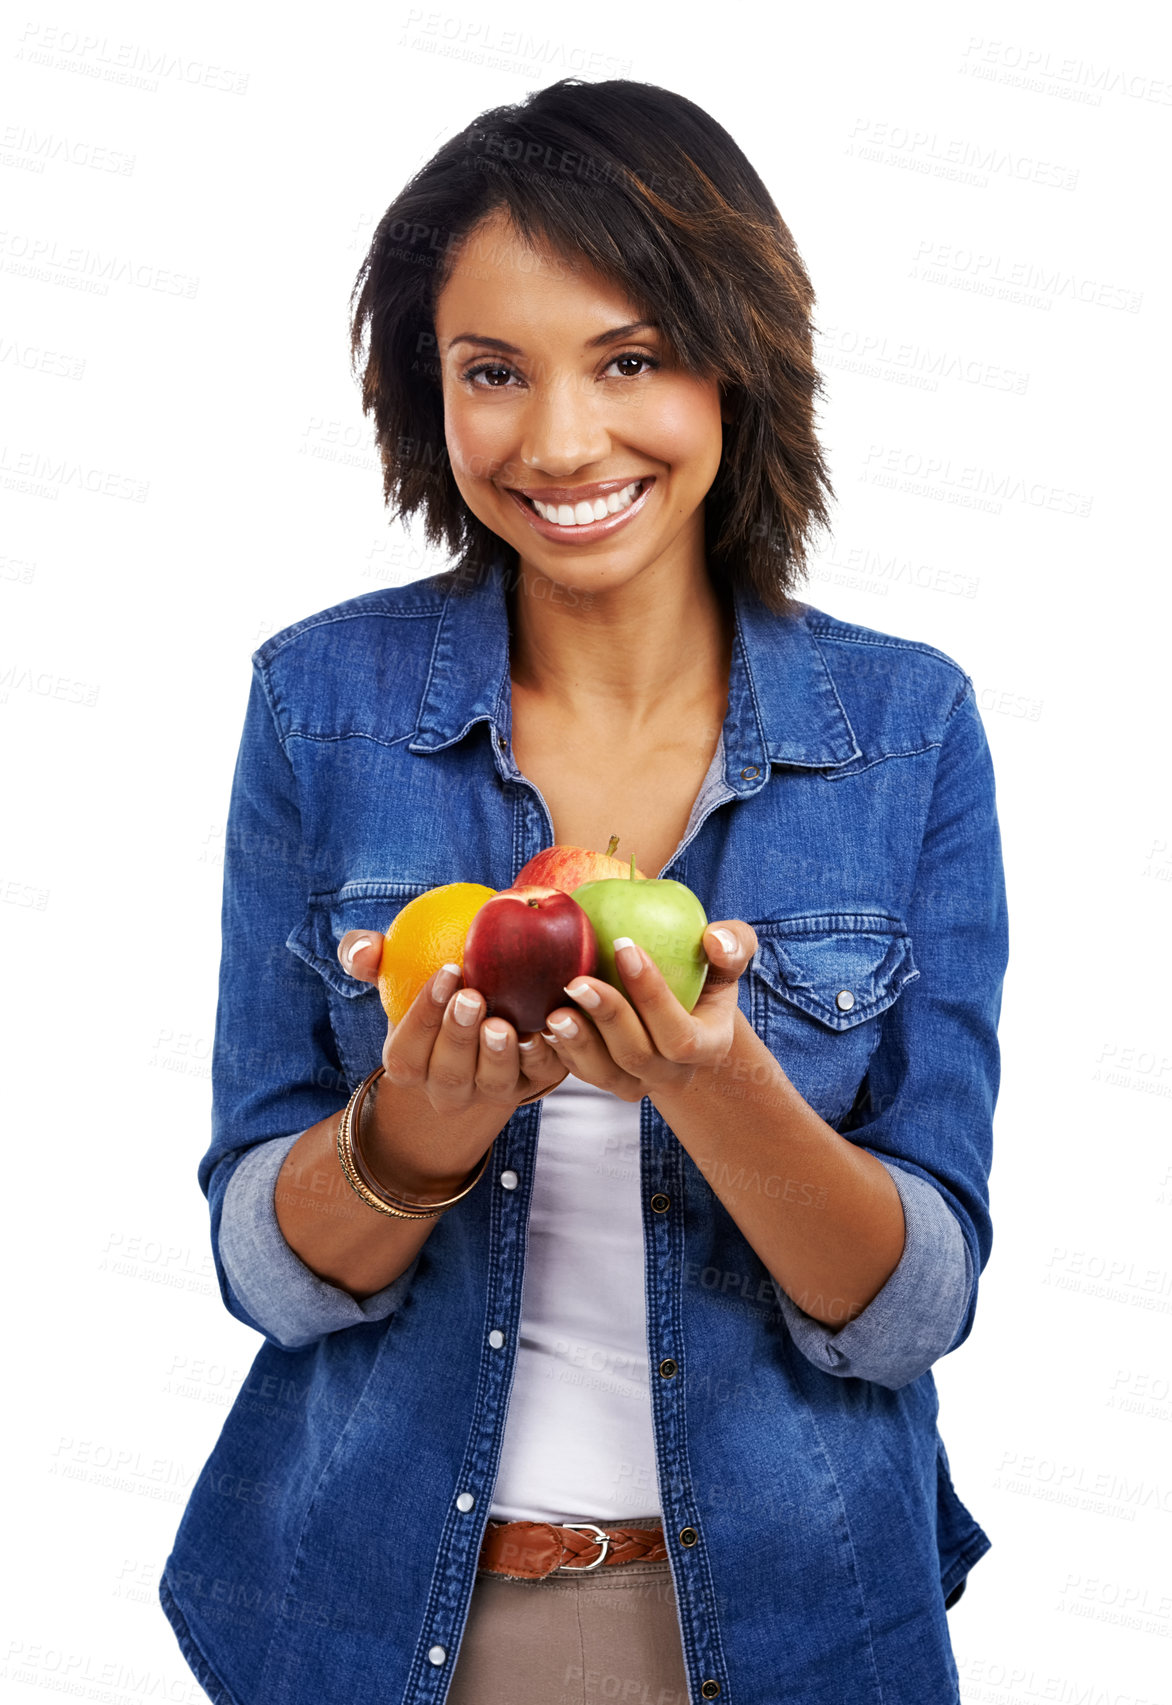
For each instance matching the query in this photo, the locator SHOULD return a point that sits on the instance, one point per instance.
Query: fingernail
(727, 939)
(466, 1008)
(356, 947)
(446, 979)
(528, 1047)
(630, 960)
(584, 993)
(565, 1027)
(495, 1038)
(546, 1037)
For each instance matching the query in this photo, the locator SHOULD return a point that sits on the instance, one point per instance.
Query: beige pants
(611, 1634)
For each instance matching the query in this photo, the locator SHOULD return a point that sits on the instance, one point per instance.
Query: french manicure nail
(584, 993)
(630, 960)
(565, 1027)
(445, 981)
(356, 947)
(466, 1008)
(496, 1039)
(726, 939)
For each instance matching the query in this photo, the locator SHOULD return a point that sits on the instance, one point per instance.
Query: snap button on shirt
(844, 1000)
(509, 1180)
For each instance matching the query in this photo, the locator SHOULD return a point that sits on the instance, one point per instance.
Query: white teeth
(581, 514)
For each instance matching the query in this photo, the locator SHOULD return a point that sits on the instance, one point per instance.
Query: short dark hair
(654, 194)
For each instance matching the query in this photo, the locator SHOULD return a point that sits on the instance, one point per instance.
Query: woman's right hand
(446, 1091)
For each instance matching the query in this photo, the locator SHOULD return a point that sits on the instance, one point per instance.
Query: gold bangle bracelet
(366, 1186)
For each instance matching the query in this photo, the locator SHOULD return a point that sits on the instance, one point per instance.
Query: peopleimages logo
(24, 255)
(45, 475)
(481, 41)
(1043, 72)
(32, 150)
(1028, 282)
(967, 484)
(957, 158)
(126, 62)
(905, 362)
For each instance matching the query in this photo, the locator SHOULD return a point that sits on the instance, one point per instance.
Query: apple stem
(632, 867)
(612, 845)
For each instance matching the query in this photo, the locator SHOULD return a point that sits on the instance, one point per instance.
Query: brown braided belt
(530, 1550)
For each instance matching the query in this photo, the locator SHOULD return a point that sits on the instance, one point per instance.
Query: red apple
(568, 867)
(522, 947)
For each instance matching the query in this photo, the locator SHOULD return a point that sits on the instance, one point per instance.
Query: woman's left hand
(646, 1042)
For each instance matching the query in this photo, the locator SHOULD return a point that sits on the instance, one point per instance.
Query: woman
(646, 1411)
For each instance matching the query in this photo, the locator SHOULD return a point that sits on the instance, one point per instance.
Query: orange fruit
(427, 933)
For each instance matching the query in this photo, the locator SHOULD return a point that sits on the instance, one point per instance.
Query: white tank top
(579, 1442)
(578, 1439)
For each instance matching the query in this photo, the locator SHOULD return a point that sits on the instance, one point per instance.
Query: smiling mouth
(586, 511)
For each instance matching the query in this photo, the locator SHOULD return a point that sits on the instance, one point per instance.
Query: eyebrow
(594, 343)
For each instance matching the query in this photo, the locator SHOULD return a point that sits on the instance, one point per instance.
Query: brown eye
(640, 361)
(498, 377)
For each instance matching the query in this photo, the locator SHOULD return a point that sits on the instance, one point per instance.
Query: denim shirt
(329, 1547)
(916, 1312)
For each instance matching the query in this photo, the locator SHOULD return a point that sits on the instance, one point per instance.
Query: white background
(979, 193)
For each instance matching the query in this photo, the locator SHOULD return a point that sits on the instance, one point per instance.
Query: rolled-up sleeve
(925, 1108)
(291, 1303)
(915, 1317)
(275, 1065)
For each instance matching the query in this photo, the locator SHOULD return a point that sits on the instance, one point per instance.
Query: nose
(563, 427)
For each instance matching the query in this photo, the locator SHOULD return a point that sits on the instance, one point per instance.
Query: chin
(585, 578)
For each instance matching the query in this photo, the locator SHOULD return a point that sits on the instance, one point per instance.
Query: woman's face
(554, 396)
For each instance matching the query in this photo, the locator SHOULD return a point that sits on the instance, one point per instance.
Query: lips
(582, 512)
(573, 493)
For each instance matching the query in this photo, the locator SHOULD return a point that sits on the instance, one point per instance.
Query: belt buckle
(602, 1539)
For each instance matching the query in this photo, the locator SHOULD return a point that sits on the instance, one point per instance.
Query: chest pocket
(818, 987)
(356, 1013)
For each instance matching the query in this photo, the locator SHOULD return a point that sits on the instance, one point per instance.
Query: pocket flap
(357, 905)
(841, 968)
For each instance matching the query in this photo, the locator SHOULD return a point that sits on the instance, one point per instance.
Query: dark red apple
(522, 947)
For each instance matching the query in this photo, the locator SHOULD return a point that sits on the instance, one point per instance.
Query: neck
(621, 660)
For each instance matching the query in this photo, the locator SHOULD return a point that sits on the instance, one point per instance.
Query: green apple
(665, 918)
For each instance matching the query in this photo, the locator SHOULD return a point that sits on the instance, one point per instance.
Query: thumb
(730, 945)
(360, 953)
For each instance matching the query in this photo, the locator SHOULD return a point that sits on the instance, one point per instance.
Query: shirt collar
(783, 706)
